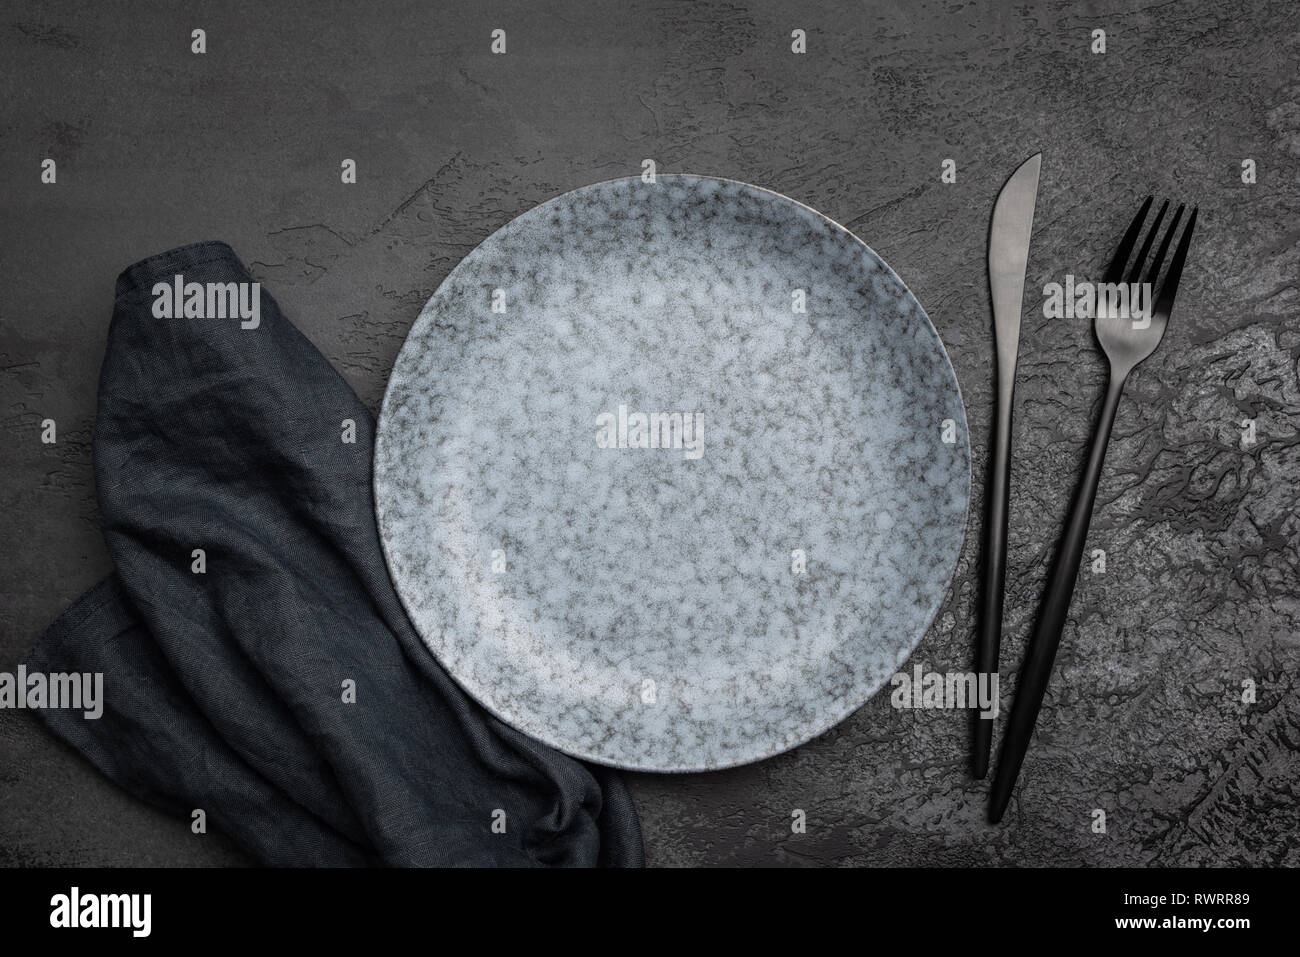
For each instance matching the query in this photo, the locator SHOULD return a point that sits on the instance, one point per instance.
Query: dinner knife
(1013, 221)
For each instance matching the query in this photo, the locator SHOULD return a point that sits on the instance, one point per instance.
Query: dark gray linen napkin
(224, 691)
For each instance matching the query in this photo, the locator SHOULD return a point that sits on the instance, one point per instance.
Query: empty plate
(672, 476)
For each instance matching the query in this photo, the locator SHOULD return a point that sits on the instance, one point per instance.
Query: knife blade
(1009, 235)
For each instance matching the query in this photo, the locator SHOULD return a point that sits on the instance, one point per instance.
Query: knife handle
(1040, 657)
(995, 565)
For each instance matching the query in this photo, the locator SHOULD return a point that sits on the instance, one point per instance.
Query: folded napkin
(274, 682)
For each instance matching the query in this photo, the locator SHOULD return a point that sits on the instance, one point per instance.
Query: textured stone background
(158, 147)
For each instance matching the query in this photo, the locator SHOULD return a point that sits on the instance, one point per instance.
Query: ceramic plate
(672, 476)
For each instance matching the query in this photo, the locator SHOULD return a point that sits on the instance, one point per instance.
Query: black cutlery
(1013, 222)
(1126, 342)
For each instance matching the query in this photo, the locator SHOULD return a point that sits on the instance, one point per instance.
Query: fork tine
(1136, 271)
(1154, 272)
(1167, 292)
(1116, 271)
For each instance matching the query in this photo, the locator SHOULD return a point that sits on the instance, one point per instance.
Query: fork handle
(1041, 655)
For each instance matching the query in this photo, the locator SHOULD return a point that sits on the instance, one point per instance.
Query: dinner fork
(1126, 342)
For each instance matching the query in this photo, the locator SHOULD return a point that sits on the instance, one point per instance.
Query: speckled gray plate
(755, 574)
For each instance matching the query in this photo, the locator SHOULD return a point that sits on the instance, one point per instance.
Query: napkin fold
(257, 664)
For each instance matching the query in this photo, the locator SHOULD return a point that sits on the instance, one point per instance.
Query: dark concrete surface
(156, 146)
